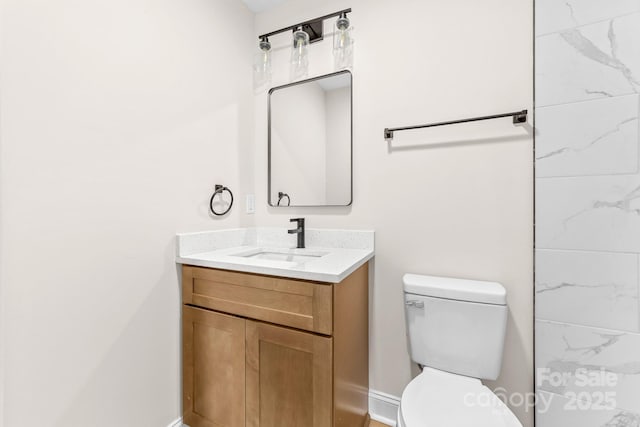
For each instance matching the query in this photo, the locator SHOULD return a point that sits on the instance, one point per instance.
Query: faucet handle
(299, 230)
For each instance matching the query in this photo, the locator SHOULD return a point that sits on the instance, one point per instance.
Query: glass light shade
(299, 55)
(343, 45)
(262, 70)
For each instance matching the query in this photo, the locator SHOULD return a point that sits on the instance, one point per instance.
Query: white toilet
(456, 332)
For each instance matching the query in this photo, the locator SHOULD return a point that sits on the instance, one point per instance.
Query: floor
(377, 424)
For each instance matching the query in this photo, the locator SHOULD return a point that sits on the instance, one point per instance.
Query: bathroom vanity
(274, 336)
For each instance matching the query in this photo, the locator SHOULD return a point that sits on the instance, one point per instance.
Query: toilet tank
(456, 325)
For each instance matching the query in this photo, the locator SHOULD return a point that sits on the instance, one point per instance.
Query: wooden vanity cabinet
(262, 351)
(288, 377)
(213, 357)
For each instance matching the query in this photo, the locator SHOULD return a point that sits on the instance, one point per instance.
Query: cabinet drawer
(295, 303)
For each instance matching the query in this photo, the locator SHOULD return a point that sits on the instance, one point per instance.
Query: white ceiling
(261, 5)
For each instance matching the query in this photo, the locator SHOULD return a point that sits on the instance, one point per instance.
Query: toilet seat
(441, 399)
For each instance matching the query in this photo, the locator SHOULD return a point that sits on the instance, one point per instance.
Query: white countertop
(342, 252)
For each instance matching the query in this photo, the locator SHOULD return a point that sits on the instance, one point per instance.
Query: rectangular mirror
(310, 142)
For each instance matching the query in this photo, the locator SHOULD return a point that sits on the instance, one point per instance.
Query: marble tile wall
(588, 213)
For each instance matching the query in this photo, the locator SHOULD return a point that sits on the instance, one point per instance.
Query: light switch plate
(251, 204)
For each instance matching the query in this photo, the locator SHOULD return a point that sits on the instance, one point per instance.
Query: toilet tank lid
(456, 289)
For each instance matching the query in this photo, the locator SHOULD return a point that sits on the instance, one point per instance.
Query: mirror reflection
(310, 142)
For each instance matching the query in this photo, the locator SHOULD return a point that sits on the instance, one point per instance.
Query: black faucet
(299, 231)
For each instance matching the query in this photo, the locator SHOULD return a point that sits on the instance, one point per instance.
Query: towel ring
(281, 196)
(219, 189)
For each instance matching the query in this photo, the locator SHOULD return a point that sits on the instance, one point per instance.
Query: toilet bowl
(456, 330)
(441, 399)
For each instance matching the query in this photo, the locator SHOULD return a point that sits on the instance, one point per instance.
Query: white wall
(588, 228)
(2, 298)
(456, 201)
(118, 117)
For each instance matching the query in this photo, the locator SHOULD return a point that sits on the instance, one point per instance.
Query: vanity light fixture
(262, 65)
(309, 32)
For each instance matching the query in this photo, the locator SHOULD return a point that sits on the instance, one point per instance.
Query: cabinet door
(289, 377)
(213, 352)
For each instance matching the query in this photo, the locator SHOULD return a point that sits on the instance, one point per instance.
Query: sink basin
(289, 255)
(276, 256)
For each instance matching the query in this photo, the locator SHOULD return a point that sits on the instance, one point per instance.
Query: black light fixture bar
(305, 23)
(518, 117)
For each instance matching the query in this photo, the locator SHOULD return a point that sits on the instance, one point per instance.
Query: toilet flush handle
(414, 303)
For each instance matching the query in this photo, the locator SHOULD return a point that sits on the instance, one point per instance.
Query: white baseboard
(383, 407)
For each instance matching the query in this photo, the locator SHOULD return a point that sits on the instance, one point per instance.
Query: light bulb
(299, 55)
(343, 43)
(262, 66)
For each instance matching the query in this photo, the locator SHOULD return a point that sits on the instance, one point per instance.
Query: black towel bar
(518, 117)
